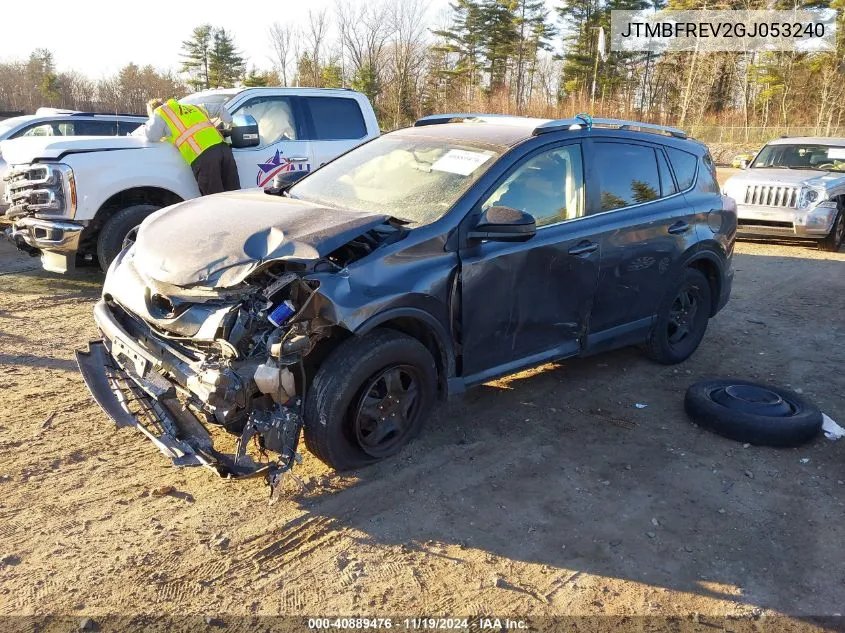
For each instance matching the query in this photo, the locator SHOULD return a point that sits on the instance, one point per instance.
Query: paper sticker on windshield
(836, 152)
(459, 161)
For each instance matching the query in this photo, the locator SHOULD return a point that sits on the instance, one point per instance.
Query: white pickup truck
(79, 198)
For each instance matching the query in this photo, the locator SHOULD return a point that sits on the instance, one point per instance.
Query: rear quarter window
(336, 118)
(684, 165)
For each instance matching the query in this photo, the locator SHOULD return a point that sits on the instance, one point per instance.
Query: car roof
(502, 131)
(808, 140)
(507, 130)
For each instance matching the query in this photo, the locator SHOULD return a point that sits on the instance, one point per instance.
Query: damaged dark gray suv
(421, 263)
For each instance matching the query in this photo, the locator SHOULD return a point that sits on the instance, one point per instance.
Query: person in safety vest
(201, 144)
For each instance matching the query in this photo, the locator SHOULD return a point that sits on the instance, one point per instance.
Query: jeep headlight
(809, 197)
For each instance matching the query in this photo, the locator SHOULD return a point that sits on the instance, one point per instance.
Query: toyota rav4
(421, 263)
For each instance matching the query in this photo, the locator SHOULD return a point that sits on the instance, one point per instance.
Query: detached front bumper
(56, 241)
(813, 224)
(130, 382)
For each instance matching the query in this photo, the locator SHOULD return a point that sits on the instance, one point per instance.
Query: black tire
(337, 430)
(117, 227)
(833, 241)
(668, 343)
(704, 404)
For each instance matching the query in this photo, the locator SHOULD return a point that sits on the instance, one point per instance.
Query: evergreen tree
(463, 41)
(225, 63)
(197, 57)
(500, 38)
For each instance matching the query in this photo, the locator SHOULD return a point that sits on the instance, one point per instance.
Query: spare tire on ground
(753, 412)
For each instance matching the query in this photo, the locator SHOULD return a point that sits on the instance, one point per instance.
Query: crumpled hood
(26, 150)
(218, 240)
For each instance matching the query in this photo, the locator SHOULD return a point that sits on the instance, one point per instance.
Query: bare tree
(364, 31)
(315, 36)
(284, 40)
(407, 55)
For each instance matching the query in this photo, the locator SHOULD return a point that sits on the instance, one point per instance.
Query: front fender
(437, 329)
(102, 174)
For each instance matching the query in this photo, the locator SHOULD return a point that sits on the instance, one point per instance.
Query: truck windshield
(801, 156)
(413, 178)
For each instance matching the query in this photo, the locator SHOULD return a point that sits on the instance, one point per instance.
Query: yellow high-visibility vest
(190, 129)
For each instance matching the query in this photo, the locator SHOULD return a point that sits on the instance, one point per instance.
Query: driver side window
(548, 186)
(275, 117)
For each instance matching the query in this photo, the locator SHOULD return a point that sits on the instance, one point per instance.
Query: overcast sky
(98, 37)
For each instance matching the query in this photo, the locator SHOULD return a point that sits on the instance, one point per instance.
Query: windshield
(414, 178)
(802, 156)
(6, 125)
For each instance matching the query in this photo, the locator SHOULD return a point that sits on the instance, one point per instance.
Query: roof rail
(619, 124)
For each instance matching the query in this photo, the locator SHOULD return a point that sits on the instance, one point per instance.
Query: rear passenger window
(127, 127)
(96, 128)
(627, 174)
(684, 164)
(336, 118)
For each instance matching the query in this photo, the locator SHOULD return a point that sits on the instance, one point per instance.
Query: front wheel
(681, 320)
(369, 398)
(119, 230)
(833, 241)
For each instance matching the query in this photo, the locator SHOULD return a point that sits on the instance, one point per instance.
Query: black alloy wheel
(387, 410)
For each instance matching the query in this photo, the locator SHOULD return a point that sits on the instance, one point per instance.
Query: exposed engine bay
(177, 362)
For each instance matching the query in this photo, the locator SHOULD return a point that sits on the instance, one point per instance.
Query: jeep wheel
(369, 398)
(681, 320)
(116, 229)
(834, 240)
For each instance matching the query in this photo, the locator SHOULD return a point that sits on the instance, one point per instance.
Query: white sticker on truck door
(460, 161)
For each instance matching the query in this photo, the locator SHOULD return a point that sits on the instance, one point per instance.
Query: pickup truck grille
(39, 188)
(772, 196)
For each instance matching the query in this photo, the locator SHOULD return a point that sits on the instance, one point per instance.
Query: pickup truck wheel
(369, 398)
(117, 228)
(834, 240)
(681, 319)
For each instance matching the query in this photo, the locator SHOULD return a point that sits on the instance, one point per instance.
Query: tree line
(509, 56)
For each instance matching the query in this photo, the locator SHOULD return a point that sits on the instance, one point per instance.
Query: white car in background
(81, 198)
(55, 122)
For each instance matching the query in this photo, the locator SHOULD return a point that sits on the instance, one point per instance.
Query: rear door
(648, 225)
(335, 125)
(284, 144)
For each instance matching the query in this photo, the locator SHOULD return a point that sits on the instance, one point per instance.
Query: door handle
(679, 227)
(584, 248)
(298, 158)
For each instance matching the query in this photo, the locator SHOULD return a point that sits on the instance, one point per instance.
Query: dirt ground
(547, 493)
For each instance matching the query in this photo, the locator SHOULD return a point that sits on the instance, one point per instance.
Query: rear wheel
(369, 398)
(834, 240)
(122, 225)
(681, 320)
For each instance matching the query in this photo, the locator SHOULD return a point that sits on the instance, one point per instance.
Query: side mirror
(503, 224)
(244, 132)
(744, 163)
(284, 181)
